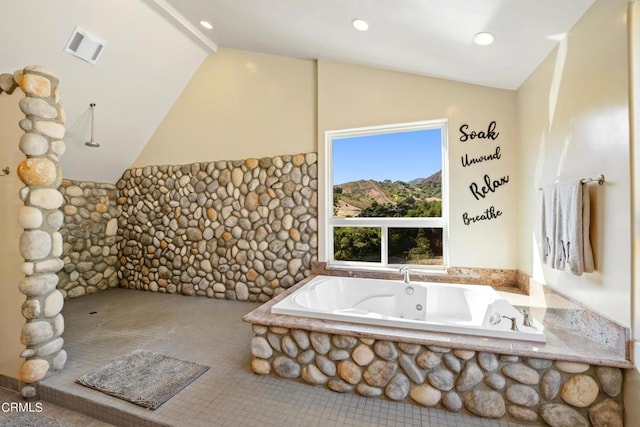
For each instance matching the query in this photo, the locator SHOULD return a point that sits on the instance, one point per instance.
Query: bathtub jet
(451, 308)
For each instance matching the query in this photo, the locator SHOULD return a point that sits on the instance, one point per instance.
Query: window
(386, 195)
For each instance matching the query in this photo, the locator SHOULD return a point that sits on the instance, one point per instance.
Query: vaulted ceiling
(429, 37)
(155, 46)
(144, 67)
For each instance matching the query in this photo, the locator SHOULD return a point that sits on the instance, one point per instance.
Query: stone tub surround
(562, 316)
(244, 229)
(41, 218)
(565, 339)
(570, 378)
(89, 233)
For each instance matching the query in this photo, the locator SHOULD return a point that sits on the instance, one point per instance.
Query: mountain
(434, 180)
(351, 197)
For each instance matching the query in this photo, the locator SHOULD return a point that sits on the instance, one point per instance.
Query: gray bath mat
(145, 378)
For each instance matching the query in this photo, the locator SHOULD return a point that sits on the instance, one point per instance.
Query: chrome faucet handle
(405, 272)
(527, 318)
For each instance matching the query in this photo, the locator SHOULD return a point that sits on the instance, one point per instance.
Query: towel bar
(599, 180)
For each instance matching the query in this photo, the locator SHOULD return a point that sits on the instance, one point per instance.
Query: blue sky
(401, 156)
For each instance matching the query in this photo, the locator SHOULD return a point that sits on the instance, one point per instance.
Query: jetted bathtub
(451, 308)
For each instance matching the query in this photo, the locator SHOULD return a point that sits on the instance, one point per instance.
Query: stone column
(41, 218)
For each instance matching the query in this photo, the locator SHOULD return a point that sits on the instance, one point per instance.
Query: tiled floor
(102, 327)
(39, 410)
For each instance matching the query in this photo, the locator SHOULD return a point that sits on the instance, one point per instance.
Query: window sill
(498, 278)
(420, 275)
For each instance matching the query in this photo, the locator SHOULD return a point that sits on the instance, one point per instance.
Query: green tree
(356, 244)
(426, 208)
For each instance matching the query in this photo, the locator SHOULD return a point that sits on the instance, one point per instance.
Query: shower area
(242, 230)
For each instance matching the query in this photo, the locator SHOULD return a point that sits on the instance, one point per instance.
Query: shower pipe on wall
(92, 143)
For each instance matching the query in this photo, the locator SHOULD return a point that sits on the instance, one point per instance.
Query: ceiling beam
(184, 23)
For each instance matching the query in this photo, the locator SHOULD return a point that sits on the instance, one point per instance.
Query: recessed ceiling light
(207, 25)
(484, 38)
(360, 24)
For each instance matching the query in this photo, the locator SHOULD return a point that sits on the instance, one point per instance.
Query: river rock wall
(89, 233)
(489, 385)
(40, 243)
(243, 229)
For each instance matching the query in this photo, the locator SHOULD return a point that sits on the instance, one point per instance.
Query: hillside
(352, 197)
(433, 180)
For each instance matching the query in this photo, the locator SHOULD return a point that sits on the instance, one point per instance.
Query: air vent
(85, 45)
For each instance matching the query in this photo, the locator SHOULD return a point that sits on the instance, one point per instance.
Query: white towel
(565, 227)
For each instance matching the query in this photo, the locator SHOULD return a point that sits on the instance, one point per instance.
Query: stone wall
(41, 218)
(242, 229)
(525, 390)
(90, 250)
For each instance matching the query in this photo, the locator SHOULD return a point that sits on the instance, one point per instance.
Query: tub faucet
(514, 326)
(405, 272)
(527, 318)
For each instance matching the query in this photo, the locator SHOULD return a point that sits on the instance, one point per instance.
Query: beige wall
(632, 377)
(11, 299)
(574, 123)
(243, 104)
(238, 104)
(350, 96)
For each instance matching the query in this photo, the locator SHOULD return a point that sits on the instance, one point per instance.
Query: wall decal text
(481, 188)
(490, 133)
(491, 185)
(468, 161)
(488, 215)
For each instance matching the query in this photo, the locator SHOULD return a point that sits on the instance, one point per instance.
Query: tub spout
(405, 272)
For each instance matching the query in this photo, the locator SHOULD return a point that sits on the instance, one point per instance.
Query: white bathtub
(450, 308)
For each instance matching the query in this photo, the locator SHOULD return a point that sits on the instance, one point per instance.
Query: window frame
(385, 223)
